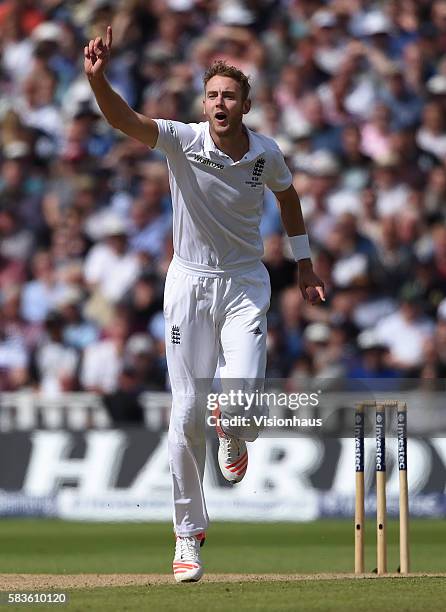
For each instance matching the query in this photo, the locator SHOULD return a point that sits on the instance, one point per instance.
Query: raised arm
(116, 111)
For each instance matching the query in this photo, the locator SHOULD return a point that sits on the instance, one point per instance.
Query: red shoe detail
(236, 463)
(237, 467)
(241, 466)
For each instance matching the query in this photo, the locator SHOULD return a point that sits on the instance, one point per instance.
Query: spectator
(55, 363)
(373, 358)
(282, 271)
(123, 404)
(352, 252)
(323, 135)
(103, 360)
(355, 165)
(37, 106)
(271, 222)
(291, 309)
(305, 56)
(289, 94)
(16, 25)
(414, 163)
(140, 372)
(329, 43)
(405, 331)
(17, 339)
(21, 183)
(393, 260)
(78, 331)
(322, 178)
(15, 242)
(12, 272)
(110, 254)
(41, 294)
(14, 325)
(435, 193)
(375, 133)
(141, 360)
(405, 105)
(439, 250)
(144, 301)
(431, 136)
(150, 223)
(391, 193)
(323, 354)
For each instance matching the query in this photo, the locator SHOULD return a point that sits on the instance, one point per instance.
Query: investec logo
(359, 465)
(402, 441)
(380, 443)
(207, 162)
(359, 443)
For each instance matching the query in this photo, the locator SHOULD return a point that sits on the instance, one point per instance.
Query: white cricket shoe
(187, 565)
(232, 454)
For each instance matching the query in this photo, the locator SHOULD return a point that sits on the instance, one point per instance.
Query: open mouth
(220, 116)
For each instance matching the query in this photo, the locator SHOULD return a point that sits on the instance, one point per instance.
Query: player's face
(223, 105)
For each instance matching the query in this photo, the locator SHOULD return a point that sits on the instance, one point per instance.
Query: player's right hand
(97, 54)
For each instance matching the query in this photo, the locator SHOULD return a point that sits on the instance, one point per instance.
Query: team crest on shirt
(257, 172)
(175, 335)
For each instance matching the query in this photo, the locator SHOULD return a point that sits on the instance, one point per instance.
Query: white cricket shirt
(218, 203)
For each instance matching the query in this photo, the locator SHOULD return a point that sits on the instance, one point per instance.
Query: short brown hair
(221, 68)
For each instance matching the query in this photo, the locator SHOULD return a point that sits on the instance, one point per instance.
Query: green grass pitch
(57, 547)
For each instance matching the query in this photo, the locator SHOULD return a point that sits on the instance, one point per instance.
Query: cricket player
(217, 289)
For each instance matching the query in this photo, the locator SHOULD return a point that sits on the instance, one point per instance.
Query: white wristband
(300, 246)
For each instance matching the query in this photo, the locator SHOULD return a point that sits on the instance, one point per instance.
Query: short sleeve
(174, 136)
(279, 176)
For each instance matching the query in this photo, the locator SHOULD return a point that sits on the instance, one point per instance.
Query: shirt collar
(255, 146)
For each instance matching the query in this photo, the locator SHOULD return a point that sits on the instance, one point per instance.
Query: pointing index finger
(109, 37)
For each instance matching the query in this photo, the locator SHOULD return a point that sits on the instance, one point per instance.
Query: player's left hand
(310, 285)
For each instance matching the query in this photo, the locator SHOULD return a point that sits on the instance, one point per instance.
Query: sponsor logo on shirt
(257, 172)
(207, 162)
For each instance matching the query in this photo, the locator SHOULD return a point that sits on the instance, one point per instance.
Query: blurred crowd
(354, 91)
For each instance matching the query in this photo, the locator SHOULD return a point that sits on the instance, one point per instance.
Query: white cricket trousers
(212, 318)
